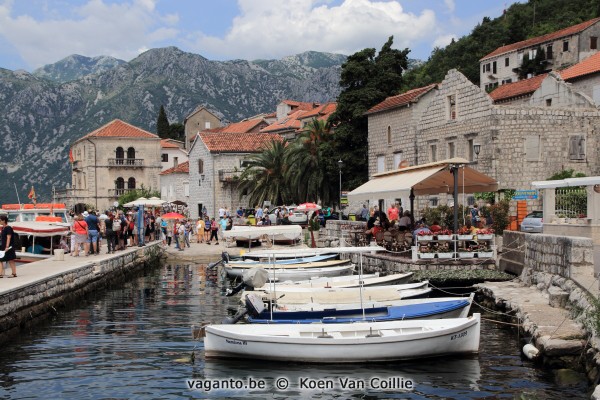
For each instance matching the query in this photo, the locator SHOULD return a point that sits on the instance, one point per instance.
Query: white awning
(585, 181)
(432, 178)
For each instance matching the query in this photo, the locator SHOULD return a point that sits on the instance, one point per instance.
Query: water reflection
(134, 341)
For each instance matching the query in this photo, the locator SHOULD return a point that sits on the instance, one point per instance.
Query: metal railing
(118, 192)
(571, 202)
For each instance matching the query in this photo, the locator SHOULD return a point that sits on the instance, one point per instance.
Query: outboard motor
(225, 256)
(215, 264)
(239, 315)
(253, 278)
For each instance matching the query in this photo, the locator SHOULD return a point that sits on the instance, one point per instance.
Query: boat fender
(530, 351)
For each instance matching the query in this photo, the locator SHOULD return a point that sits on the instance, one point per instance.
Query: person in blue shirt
(93, 232)
(37, 249)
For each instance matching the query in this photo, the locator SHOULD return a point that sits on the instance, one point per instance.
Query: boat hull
(348, 281)
(345, 343)
(299, 273)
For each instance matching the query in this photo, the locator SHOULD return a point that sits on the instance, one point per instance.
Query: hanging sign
(525, 194)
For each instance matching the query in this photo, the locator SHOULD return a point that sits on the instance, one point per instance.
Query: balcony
(116, 193)
(229, 175)
(126, 162)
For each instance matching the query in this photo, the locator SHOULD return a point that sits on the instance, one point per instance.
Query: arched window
(131, 183)
(130, 156)
(120, 183)
(200, 166)
(119, 155)
(389, 135)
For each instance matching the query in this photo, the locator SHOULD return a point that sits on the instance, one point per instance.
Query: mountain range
(43, 112)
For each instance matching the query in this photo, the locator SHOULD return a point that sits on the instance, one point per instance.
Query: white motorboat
(299, 295)
(347, 281)
(35, 235)
(351, 342)
(298, 273)
(276, 233)
(281, 305)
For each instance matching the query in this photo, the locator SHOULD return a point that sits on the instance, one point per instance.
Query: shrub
(500, 217)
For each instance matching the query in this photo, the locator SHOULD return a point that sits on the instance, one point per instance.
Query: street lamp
(476, 150)
(340, 163)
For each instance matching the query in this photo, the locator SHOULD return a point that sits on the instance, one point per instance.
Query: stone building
(216, 160)
(521, 142)
(110, 161)
(199, 120)
(175, 183)
(560, 49)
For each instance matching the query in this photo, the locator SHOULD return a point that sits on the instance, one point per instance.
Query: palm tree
(263, 179)
(308, 161)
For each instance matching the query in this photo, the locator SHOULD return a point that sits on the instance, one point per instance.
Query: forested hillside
(519, 22)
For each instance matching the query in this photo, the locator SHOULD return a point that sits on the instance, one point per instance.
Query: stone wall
(512, 257)
(24, 306)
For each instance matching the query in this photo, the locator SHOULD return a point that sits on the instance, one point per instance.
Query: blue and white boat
(431, 309)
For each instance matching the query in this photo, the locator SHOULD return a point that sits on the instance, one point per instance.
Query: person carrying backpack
(214, 230)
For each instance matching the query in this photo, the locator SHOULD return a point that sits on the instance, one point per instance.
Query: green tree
(162, 124)
(366, 79)
(307, 159)
(177, 131)
(264, 177)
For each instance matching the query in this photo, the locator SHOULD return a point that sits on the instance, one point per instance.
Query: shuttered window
(577, 147)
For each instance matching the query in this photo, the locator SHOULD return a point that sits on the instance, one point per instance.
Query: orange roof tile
(168, 144)
(402, 99)
(247, 126)
(237, 142)
(322, 111)
(571, 30)
(118, 128)
(183, 168)
(520, 88)
(588, 66)
(291, 122)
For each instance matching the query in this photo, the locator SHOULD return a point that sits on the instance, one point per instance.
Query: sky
(34, 33)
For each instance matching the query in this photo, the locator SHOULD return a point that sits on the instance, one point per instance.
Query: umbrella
(172, 215)
(308, 207)
(136, 202)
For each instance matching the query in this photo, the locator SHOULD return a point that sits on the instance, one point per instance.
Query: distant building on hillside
(110, 161)
(560, 49)
(199, 120)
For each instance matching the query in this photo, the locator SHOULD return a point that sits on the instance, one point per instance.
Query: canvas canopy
(426, 179)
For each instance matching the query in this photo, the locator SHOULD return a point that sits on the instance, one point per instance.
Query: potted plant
(464, 233)
(314, 226)
(425, 252)
(444, 251)
(466, 252)
(425, 235)
(444, 234)
(485, 234)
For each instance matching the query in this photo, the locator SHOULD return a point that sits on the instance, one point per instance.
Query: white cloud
(273, 28)
(444, 40)
(450, 4)
(99, 28)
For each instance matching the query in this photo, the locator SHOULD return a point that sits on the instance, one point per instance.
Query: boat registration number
(458, 335)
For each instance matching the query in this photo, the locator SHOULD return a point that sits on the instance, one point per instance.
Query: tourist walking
(206, 229)
(110, 233)
(7, 245)
(200, 230)
(93, 232)
(214, 230)
(80, 232)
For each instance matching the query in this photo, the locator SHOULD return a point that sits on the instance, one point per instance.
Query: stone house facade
(216, 160)
(199, 120)
(561, 48)
(175, 183)
(110, 161)
(555, 129)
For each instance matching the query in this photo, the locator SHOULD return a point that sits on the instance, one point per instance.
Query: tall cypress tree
(162, 124)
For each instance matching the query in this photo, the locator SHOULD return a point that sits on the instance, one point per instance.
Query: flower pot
(445, 255)
(426, 255)
(444, 237)
(466, 254)
(485, 254)
(485, 237)
(425, 238)
(465, 237)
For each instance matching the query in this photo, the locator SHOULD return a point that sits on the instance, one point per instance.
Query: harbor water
(133, 341)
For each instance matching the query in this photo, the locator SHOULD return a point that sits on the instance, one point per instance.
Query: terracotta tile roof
(588, 66)
(168, 144)
(571, 30)
(291, 122)
(300, 105)
(520, 88)
(402, 99)
(118, 128)
(183, 168)
(321, 112)
(246, 126)
(219, 142)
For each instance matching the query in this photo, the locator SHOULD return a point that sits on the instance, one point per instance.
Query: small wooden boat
(277, 233)
(433, 309)
(347, 281)
(293, 295)
(281, 305)
(337, 343)
(288, 261)
(298, 273)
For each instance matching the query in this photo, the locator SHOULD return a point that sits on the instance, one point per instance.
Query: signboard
(525, 194)
(344, 198)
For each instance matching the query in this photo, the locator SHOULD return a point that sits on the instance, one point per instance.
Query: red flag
(71, 159)
(31, 194)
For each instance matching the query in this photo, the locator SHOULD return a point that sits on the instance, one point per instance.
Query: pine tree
(162, 124)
